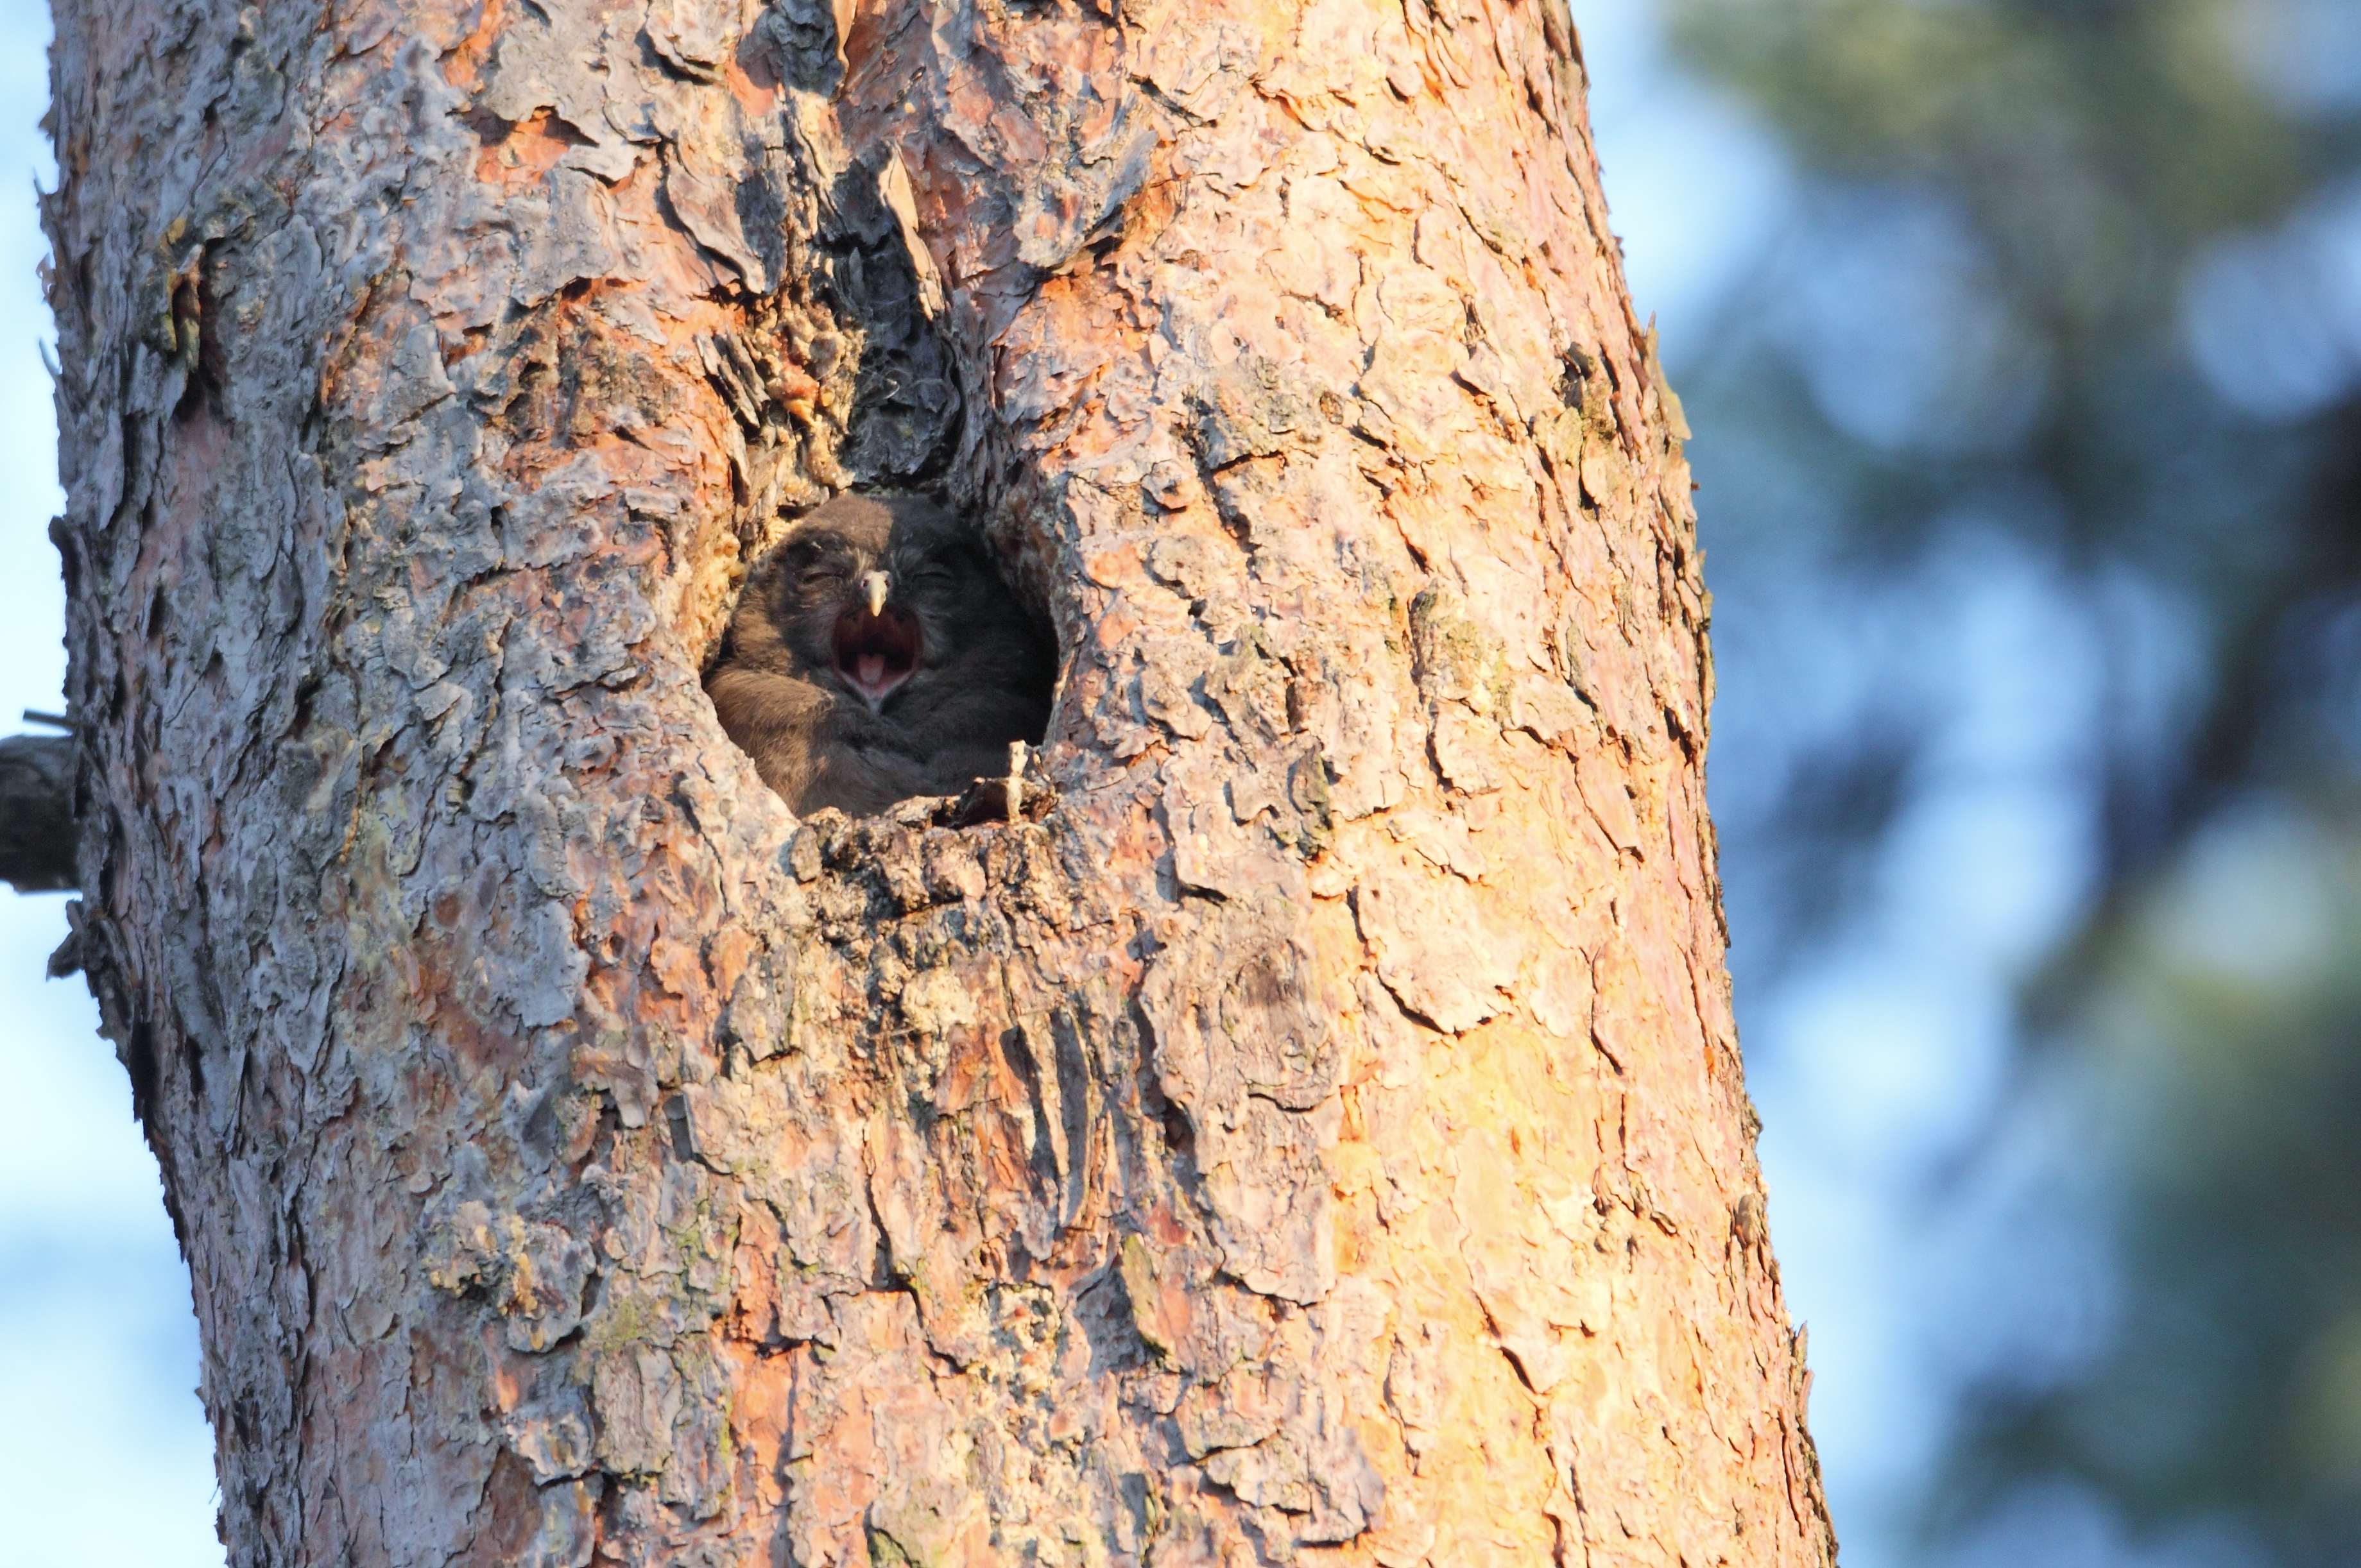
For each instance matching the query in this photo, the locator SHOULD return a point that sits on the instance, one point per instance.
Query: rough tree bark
(1320, 1137)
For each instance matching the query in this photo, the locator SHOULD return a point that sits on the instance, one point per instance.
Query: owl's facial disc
(876, 651)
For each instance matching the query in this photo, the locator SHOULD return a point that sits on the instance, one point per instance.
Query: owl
(876, 654)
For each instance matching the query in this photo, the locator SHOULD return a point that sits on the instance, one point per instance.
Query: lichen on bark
(1320, 1135)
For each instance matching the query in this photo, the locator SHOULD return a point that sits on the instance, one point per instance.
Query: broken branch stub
(36, 823)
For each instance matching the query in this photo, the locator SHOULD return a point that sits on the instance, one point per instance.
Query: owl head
(876, 596)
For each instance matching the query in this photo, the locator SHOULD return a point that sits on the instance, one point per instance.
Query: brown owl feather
(876, 654)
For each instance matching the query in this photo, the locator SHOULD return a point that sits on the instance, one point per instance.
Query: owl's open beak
(877, 647)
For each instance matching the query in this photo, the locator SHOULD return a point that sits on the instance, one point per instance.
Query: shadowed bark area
(1319, 1134)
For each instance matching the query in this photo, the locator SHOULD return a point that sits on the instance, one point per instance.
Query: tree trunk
(1320, 1135)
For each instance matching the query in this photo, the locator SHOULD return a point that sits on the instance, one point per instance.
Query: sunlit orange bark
(1320, 1137)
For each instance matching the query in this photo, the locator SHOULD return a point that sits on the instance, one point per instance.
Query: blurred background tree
(2030, 439)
